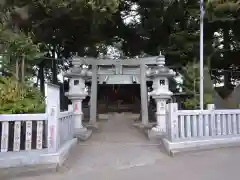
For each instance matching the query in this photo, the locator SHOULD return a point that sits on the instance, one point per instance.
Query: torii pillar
(144, 96)
(93, 98)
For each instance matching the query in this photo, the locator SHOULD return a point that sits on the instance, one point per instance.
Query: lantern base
(83, 133)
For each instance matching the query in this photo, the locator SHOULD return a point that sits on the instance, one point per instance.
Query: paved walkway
(119, 151)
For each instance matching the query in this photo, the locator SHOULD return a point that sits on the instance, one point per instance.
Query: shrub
(19, 98)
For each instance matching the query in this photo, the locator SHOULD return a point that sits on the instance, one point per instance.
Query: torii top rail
(155, 60)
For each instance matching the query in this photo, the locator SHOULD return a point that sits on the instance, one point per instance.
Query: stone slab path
(118, 145)
(119, 151)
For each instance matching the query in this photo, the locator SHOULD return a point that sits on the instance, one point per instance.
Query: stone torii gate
(118, 71)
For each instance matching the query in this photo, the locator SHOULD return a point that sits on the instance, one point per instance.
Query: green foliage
(16, 98)
(225, 10)
(191, 103)
(190, 78)
(19, 53)
(19, 45)
(103, 6)
(190, 86)
(143, 27)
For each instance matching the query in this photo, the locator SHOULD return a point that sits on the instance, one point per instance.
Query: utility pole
(201, 54)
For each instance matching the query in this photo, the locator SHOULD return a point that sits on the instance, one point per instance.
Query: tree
(21, 51)
(223, 18)
(69, 27)
(64, 26)
(190, 86)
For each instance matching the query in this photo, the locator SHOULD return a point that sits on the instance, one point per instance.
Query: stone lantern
(161, 93)
(77, 93)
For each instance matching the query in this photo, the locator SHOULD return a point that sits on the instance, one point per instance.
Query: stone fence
(37, 139)
(201, 129)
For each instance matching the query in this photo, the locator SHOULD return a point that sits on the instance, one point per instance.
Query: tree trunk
(17, 73)
(54, 67)
(54, 72)
(41, 77)
(23, 70)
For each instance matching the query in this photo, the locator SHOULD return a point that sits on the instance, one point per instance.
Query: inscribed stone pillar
(144, 98)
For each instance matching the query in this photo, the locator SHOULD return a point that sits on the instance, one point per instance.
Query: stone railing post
(210, 106)
(53, 129)
(212, 126)
(173, 121)
(52, 110)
